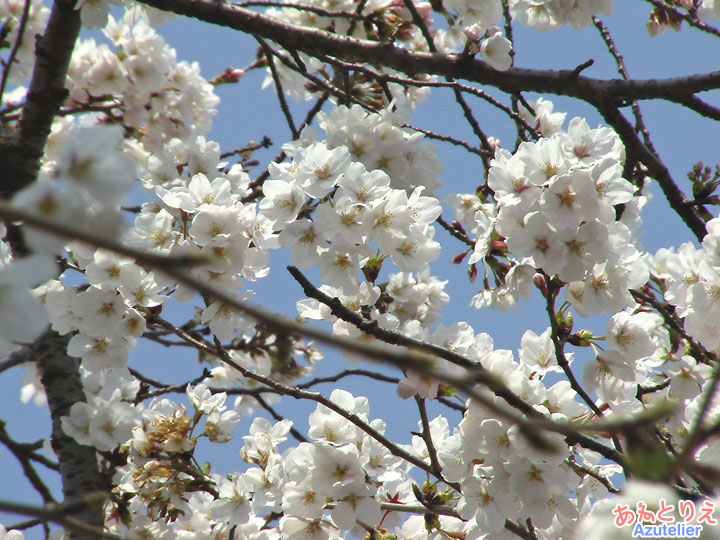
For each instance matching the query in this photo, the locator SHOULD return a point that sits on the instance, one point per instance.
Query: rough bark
(78, 463)
(20, 160)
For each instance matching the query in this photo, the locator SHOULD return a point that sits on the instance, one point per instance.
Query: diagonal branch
(46, 93)
(318, 43)
(639, 152)
(20, 161)
(412, 358)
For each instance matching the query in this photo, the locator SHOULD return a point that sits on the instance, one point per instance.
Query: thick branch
(20, 161)
(46, 94)
(77, 463)
(319, 43)
(639, 152)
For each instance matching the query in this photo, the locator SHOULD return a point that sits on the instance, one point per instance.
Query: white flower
(99, 353)
(112, 424)
(100, 311)
(216, 226)
(355, 504)
(282, 202)
(233, 504)
(23, 317)
(631, 334)
(202, 399)
(329, 426)
(77, 425)
(538, 352)
(337, 467)
(91, 159)
(224, 320)
(94, 13)
(199, 192)
(304, 499)
(320, 168)
(495, 50)
(304, 239)
(297, 528)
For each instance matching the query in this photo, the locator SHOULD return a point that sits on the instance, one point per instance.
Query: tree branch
(638, 151)
(77, 463)
(20, 161)
(318, 43)
(46, 93)
(476, 374)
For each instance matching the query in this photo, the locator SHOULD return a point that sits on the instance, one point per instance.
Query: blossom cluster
(355, 203)
(556, 209)
(141, 81)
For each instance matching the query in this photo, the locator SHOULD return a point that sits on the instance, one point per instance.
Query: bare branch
(63, 514)
(46, 93)
(278, 85)
(319, 43)
(639, 152)
(15, 48)
(25, 454)
(612, 48)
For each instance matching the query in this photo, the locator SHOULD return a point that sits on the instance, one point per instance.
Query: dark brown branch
(15, 48)
(16, 358)
(319, 43)
(558, 346)
(77, 463)
(25, 454)
(278, 86)
(452, 140)
(639, 152)
(476, 373)
(64, 514)
(699, 352)
(385, 77)
(347, 373)
(265, 143)
(519, 530)
(426, 436)
(459, 98)
(701, 107)
(256, 184)
(463, 237)
(301, 7)
(46, 93)
(612, 48)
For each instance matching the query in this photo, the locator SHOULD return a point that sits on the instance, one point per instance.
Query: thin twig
(426, 436)
(406, 359)
(612, 48)
(25, 455)
(265, 405)
(295, 392)
(301, 7)
(687, 17)
(59, 513)
(16, 47)
(278, 85)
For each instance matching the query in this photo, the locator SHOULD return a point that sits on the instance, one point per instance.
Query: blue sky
(246, 113)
